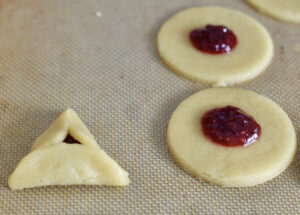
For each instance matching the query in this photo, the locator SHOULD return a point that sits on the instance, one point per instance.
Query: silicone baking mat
(99, 58)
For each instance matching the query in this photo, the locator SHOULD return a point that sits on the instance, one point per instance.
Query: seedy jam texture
(230, 126)
(71, 140)
(213, 39)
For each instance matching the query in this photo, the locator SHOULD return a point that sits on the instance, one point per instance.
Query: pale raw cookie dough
(248, 59)
(285, 10)
(54, 162)
(257, 163)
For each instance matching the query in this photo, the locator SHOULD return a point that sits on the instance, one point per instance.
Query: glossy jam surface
(230, 126)
(71, 140)
(213, 39)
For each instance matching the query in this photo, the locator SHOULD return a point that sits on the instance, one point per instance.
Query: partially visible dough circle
(248, 59)
(231, 166)
(285, 10)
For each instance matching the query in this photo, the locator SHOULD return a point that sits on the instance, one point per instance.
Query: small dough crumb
(98, 14)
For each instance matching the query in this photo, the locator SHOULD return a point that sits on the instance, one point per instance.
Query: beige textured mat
(56, 54)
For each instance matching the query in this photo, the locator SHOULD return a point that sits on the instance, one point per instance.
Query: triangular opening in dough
(69, 139)
(67, 153)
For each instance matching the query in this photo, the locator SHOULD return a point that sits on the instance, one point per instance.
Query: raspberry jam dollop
(71, 140)
(213, 39)
(230, 126)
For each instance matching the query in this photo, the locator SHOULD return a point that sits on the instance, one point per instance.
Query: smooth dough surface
(54, 162)
(232, 166)
(248, 59)
(285, 10)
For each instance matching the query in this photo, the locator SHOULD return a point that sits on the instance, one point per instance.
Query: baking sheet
(57, 54)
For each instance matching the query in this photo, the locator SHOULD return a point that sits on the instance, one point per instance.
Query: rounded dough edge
(279, 15)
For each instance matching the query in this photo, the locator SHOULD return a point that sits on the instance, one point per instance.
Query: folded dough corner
(67, 154)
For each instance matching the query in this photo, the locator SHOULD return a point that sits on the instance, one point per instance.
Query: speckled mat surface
(57, 54)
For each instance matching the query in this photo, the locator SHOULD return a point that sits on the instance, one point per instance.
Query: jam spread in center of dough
(71, 140)
(230, 126)
(214, 39)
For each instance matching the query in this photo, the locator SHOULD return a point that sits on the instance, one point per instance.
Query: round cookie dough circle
(249, 58)
(257, 163)
(285, 10)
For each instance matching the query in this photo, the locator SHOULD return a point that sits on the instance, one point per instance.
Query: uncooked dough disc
(248, 59)
(286, 10)
(256, 163)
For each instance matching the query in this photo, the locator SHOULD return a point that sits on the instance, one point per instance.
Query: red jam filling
(214, 39)
(230, 126)
(71, 140)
